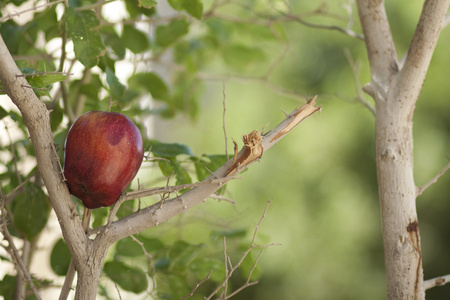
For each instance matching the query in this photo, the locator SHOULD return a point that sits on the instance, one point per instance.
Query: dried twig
(233, 268)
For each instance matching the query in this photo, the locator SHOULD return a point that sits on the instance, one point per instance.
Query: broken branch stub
(255, 143)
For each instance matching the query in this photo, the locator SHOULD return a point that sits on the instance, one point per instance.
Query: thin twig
(223, 119)
(437, 281)
(150, 258)
(420, 190)
(354, 66)
(197, 285)
(232, 269)
(17, 14)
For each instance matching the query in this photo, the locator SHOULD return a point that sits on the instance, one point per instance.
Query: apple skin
(103, 153)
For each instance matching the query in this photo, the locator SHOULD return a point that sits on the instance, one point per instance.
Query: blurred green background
(321, 178)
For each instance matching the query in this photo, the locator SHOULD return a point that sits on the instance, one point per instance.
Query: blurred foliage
(257, 57)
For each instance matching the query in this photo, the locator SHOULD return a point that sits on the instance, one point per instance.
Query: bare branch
(379, 43)
(229, 272)
(157, 213)
(421, 189)
(437, 281)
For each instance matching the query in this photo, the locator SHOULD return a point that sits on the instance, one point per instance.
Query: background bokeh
(323, 223)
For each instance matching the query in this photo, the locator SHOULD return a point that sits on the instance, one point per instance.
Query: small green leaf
(202, 266)
(56, 117)
(112, 39)
(150, 82)
(166, 149)
(3, 112)
(147, 3)
(7, 286)
(182, 253)
(60, 258)
(211, 163)
(134, 39)
(129, 248)
(134, 9)
(168, 34)
(82, 27)
(194, 8)
(128, 278)
(116, 88)
(172, 166)
(31, 211)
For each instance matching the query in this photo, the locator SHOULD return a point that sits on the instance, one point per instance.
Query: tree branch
(36, 118)
(437, 281)
(160, 212)
(379, 44)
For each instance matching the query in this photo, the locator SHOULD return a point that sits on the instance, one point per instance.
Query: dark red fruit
(103, 153)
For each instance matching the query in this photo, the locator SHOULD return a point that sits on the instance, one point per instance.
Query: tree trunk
(395, 89)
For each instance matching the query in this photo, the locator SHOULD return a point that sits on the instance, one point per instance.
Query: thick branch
(36, 118)
(421, 50)
(379, 44)
(166, 209)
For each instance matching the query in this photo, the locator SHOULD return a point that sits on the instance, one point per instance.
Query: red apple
(103, 153)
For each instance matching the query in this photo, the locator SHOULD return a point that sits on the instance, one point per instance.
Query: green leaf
(3, 112)
(240, 57)
(60, 258)
(147, 3)
(112, 39)
(174, 167)
(202, 266)
(116, 88)
(129, 248)
(192, 7)
(150, 82)
(56, 117)
(31, 211)
(128, 278)
(82, 27)
(211, 163)
(7, 286)
(182, 253)
(168, 34)
(135, 9)
(167, 149)
(152, 245)
(134, 39)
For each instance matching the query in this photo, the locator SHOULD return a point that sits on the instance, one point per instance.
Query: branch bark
(36, 118)
(395, 92)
